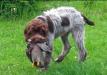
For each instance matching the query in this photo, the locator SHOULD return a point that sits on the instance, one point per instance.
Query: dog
(42, 30)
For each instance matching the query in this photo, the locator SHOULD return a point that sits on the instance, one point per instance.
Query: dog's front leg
(48, 55)
(66, 48)
(47, 59)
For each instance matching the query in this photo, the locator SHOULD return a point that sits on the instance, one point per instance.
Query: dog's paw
(82, 56)
(59, 59)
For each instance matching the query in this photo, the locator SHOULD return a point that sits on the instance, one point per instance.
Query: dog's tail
(89, 22)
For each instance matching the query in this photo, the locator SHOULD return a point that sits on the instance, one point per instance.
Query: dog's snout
(37, 64)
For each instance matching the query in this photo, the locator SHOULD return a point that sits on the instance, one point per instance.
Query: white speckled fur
(73, 15)
(76, 27)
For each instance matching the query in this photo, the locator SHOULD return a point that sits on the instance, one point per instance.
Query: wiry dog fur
(59, 22)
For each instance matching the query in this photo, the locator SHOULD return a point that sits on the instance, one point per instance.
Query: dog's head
(34, 28)
(35, 36)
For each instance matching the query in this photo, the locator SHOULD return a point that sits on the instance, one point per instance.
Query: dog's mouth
(37, 56)
(38, 53)
(38, 65)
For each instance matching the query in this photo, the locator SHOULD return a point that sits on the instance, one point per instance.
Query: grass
(13, 60)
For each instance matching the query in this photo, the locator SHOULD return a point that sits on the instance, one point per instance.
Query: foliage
(14, 8)
(22, 8)
(13, 60)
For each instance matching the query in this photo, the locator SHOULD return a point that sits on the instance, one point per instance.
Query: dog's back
(64, 19)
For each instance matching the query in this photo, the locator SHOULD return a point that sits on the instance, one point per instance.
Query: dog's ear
(29, 29)
(38, 38)
(39, 27)
(35, 27)
(26, 30)
(43, 30)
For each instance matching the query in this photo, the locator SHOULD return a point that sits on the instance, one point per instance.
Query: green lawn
(13, 60)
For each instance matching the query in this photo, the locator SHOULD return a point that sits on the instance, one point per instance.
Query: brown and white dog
(42, 30)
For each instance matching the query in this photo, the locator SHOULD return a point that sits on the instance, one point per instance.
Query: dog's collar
(48, 21)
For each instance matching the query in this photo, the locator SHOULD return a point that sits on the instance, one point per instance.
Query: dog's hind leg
(78, 34)
(66, 48)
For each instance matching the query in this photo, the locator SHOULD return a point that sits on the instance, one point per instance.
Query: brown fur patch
(65, 21)
(38, 39)
(35, 27)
